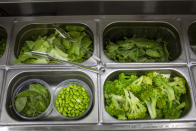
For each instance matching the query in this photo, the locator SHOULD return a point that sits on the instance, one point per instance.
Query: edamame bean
(72, 101)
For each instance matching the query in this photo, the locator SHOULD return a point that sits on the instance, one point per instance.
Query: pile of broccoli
(137, 50)
(152, 95)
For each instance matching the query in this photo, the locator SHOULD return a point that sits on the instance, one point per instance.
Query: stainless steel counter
(100, 17)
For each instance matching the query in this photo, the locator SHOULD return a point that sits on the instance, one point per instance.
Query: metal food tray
(53, 78)
(5, 30)
(183, 65)
(188, 114)
(24, 29)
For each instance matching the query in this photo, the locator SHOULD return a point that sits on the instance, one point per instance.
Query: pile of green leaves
(32, 102)
(149, 96)
(2, 46)
(58, 47)
(137, 50)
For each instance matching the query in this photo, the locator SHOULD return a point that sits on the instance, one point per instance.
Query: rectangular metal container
(189, 113)
(6, 25)
(53, 77)
(189, 26)
(115, 27)
(32, 25)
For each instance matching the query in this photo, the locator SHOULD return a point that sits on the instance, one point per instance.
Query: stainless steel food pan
(6, 25)
(53, 77)
(167, 28)
(190, 34)
(187, 115)
(26, 27)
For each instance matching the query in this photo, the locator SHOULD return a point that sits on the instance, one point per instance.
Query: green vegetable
(72, 101)
(143, 96)
(32, 102)
(58, 47)
(20, 103)
(2, 46)
(137, 50)
(133, 106)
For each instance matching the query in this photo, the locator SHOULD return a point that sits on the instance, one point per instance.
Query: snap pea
(72, 101)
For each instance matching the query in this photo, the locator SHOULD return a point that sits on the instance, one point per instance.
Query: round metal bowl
(65, 84)
(24, 86)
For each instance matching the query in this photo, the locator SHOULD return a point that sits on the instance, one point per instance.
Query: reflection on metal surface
(5, 28)
(97, 7)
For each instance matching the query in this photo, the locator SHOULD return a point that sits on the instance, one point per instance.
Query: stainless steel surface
(164, 27)
(178, 126)
(189, 34)
(188, 115)
(5, 30)
(2, 80)
(32, 1)
(24, 28)
(64, 61)
(53, 78)
(193, 78)
(98, 119)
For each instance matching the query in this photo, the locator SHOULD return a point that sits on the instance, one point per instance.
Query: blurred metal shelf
(96, 7)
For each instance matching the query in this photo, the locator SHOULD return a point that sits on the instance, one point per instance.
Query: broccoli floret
(133, 106)
(163, 83)
(116, 87)
(150, 96)
(136, 86)
(179, 86)
(139, 84)
(162, 101)
(147, 80)
(116, 107)
(174, 112)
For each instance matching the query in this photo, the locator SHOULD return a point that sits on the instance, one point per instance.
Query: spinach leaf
(137, 50)
(20, 103)
(34, 101)
(39, 89)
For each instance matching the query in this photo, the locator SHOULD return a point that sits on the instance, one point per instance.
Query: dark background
(11, 8)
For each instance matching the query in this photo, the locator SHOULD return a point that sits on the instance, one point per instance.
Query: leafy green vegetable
(32, 102)
(58, 47)
(149, 95)
(2, 46)
(137, 50)
(20, 103)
